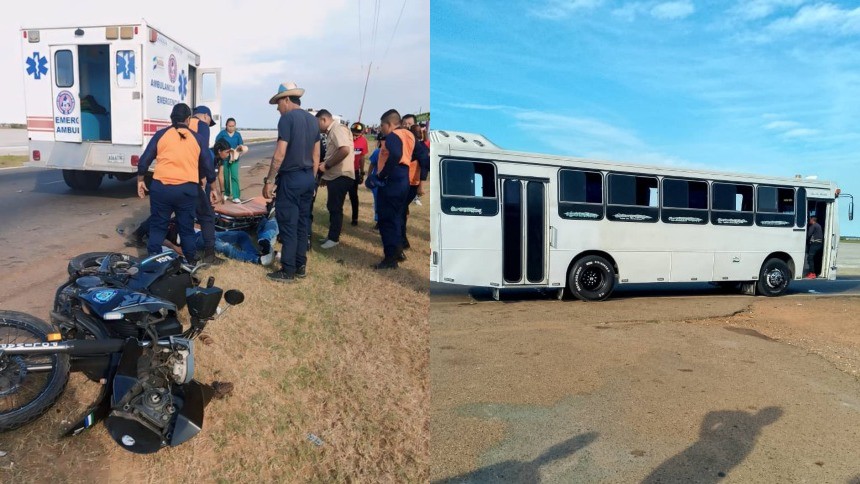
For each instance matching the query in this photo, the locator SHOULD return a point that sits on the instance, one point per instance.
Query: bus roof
(476, 145)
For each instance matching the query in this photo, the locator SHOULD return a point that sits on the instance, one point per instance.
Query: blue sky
(756, 86)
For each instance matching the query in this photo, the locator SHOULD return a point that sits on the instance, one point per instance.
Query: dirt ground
(341, 356)
(646, 389)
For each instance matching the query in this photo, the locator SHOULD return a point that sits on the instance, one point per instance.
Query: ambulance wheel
(83, 180)
(591, 278)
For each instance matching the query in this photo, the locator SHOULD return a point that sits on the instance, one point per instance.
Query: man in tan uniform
(337, 172)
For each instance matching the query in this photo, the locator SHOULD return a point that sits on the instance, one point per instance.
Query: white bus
(502, 219)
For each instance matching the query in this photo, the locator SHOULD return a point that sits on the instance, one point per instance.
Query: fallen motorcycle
(115, 319)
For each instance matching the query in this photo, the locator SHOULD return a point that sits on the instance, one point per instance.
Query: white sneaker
(328, 244)
(267, 259)
(417, 201)
(226, 198)
(236, 200)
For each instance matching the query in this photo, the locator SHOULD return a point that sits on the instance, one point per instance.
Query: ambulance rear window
(65, 68)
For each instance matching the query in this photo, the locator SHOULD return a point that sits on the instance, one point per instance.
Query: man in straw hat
(291, 179)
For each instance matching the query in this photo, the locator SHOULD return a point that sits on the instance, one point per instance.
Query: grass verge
(342, 355)
(9, 161)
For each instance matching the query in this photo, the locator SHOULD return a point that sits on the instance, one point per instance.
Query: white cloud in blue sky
(762, 86)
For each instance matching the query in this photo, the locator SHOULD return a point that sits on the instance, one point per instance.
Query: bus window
(469, 188)
(684, 201)
(580, 195)
(731, 204)
(467, 179)
(633, 198)
(775, 206)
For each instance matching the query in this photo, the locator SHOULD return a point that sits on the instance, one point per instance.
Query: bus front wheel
(591, 278)
(774, 278)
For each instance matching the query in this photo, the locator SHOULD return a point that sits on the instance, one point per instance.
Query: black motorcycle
(117, 320)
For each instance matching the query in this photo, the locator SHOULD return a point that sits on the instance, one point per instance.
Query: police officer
(395, 158)
(199, 125)
(176, 180)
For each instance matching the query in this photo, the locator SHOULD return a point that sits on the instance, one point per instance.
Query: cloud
(673, 10)
(781, 125)
(788, 129)
(482, 107)
(555, 9)
(823, 17)
(800, 133)
(758, 9)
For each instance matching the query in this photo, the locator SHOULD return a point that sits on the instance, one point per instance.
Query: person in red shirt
(360, 144)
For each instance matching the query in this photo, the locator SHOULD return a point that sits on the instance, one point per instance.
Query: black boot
(386, 263)
(210, 258)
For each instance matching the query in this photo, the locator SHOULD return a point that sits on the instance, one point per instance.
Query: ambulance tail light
(37, 155)
(153, 35)
(135, 160)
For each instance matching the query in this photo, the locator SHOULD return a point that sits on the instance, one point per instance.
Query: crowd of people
(311, 151)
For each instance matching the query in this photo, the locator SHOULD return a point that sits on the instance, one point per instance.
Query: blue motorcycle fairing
(103, 300)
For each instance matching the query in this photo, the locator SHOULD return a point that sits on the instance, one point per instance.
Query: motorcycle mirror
(234, 297)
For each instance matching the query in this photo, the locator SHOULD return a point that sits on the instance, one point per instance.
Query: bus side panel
(472, 257)
(641, 266)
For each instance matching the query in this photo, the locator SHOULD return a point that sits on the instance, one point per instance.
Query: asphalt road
(43, 223)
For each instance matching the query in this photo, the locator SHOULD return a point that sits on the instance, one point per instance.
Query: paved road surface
(13, 142)
(43, 223)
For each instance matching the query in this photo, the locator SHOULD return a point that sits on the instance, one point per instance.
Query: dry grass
(342, 354)
(8, 161)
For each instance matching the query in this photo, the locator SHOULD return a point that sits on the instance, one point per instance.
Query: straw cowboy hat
(287, 89)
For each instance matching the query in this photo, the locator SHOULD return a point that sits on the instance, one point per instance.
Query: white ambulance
(96, 95)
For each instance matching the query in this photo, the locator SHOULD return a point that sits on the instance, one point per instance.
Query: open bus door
(826, 211)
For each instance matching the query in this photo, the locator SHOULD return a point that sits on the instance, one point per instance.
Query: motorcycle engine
(142, 421)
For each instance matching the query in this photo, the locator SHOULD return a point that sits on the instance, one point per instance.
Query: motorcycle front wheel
(29, 384)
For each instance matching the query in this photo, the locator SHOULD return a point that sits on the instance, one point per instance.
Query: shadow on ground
(518, 471)
(725, 440)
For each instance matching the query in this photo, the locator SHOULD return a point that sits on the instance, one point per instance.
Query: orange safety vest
(408, 141)
(193, 124)
(176, 159)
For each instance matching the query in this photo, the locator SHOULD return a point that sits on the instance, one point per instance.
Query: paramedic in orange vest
(176, 181)
(395, 158)
(199, 124)
(417, 174)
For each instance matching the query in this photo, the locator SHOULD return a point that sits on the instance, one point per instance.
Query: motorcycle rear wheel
(92, 260)
(25, 396)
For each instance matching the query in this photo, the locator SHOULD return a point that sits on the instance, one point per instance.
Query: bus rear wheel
(591, 278)
(774, 278)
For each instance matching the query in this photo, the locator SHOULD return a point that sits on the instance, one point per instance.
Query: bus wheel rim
(591, 279)
(775, 278)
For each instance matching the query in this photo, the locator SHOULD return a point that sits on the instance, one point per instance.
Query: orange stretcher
(240, 216)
